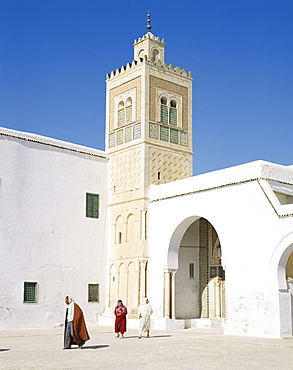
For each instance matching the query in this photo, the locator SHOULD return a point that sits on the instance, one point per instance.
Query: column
(173, 292)
(218, 298)
(142, 279)
(167, 294)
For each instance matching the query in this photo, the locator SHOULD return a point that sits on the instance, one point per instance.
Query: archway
(197, 281)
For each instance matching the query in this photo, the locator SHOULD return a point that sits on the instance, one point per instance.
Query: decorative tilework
(112, 140)
(137, 131)
(173, 135)
(164, 133)
(120, 137)
(171, 165)
(183, 138)
(128, 134)
(154, 130)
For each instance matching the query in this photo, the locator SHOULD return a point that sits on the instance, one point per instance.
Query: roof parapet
(145, 59)
(149, 35)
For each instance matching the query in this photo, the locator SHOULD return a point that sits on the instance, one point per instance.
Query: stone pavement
(181, 349)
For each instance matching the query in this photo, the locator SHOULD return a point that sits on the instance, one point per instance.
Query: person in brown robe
(75, 331)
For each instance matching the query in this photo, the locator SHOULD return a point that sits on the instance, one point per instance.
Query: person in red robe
(75, 331)
(120, 322)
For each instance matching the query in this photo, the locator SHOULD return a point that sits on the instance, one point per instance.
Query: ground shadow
(96, 347)
(152, 336)
(4, 349)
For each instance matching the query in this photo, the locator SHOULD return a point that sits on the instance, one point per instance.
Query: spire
(149, 22)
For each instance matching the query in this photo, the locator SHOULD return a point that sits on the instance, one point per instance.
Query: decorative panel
(112, 140)
(137, 131)
(154, 130)
(183, 138)
(125, 169)
(171, 165)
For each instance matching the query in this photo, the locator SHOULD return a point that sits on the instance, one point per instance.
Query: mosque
(131, 221)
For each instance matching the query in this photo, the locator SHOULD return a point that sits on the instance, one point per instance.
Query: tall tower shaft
(149, 142)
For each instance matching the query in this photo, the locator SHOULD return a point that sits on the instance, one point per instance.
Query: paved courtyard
(181, 349)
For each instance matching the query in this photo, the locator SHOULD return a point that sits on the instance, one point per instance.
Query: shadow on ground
(96, 347)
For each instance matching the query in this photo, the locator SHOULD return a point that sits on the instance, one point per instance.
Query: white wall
(249, 229)
(44, 234)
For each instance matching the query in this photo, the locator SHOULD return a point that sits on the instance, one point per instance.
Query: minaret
(149, 141)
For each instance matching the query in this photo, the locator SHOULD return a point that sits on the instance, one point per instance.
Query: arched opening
(197, 280)
(155, 54)
(164, 110)
(118, 230)
(173, 113)
(121, 114)
(131, 229)
(129, 110)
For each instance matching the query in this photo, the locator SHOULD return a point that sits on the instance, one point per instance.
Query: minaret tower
(149, 141)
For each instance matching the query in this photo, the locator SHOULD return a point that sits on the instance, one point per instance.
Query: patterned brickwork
(167, 166)
(125, 169)
(156, 82)
(135, 83)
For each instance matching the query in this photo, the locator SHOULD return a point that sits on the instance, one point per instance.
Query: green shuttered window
(92, 205)
(93, 293)
(30, 292)
(164, 114)
(121, 118)
(173, 116)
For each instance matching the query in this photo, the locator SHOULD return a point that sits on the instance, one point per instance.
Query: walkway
(181, 349)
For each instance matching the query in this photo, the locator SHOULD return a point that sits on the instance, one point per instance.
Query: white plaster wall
(187, 305)
(44, 234)
(249, 232)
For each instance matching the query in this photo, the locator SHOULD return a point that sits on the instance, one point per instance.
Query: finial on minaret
(149, 22)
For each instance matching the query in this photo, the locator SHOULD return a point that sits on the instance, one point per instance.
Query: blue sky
(54, 56)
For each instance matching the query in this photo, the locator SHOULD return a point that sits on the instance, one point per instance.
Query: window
(93, 292)
(191, 270)
(30, 293)
(125, 112)
(173, 113)
(121, 115)
(164, 110)
(128, 110)
(92, 205)
(156, 54)
(168, 113)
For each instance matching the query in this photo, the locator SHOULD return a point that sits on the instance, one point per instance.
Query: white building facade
(52, 244)
(248, 211)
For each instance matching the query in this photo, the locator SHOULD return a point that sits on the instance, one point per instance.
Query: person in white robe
(144, 312)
